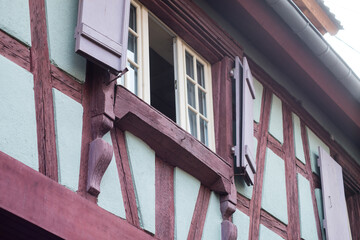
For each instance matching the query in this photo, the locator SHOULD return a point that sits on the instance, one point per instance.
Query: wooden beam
(317, 16)
(170, 142)
(45, 203)
(40, 67)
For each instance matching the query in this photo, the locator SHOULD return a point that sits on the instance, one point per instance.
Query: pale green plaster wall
(267, 234)
(186, 190)
(306, 210)
(285, 81)
(299, 147)
(276, 119)
(142, 164)
(61, 23)
(68, 130)
(274, 187)
(18, 136)
(257, 102)
(212, 226)
(110, 197)
(15, 19)
(319, 203)
(240, 184)
(314, 143)
(242, 222)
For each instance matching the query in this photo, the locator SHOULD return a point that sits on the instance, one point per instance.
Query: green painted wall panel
(267, 234)
(274, 198)
(212, 226)
(18, 136)
(306, 210)
(314, 143)
(242, 222)
(299, 147)
(15, 19)
(110, 197)
(276, 119)
(68, 130)
(240, 184)
(319, 203)
(257, 103)
(142, 164)
(61, 23)
(186, 190)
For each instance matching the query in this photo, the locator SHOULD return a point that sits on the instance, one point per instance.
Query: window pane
(132, 20)
(203, 132)
(189, 65)
(132, 48)
(132, 79)
(200, 74)
(192, 121)
(202, 102)
(191, 93)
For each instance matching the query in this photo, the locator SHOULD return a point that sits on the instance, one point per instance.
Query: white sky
(348, 13)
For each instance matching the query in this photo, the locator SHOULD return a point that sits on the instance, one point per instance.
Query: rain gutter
(302, 27)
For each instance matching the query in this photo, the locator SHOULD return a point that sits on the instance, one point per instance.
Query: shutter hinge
(175, 84)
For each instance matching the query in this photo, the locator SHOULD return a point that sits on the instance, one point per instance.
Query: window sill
(170, 142)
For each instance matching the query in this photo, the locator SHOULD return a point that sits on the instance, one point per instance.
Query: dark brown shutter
(336, 220)
(244, 98)
(102, 32)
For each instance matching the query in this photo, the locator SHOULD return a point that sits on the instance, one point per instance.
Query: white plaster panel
(242, 222)
(314, 144)
(212, 226)
(276, 119)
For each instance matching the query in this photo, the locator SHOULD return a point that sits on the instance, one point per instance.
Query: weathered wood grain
(40, 67)
(293, 228)
(43, 202)
(199, 216)
(127, 186)
(243, 204)
(164, 200)
(170, 142)
(274, 224)
(14, 50)
(353, 205)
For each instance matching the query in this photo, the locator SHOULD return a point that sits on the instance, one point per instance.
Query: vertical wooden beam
(353, 205)
(199, 216)
(255, 204)
(222, 102)
(127, 186)
(40, 67)
(293, 228)
(164, 200)
(310, 176)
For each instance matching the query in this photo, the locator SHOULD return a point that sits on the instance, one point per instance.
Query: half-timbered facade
(176, 119)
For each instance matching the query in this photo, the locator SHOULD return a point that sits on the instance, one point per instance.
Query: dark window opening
(162, 89)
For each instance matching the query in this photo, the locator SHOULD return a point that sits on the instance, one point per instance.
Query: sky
(347, 41)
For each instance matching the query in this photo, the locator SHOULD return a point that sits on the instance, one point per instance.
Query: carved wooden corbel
(102, 121)
(227, 208)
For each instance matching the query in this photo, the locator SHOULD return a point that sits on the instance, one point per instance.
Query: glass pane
(200, 74)
(191, 93)
(202, 102)
(192, 122)
(203, 132)
(132, 48)
(189, 65)
(132, 20)
(132, 79)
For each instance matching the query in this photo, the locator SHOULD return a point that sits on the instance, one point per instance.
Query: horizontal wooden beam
(170, 142)
(45, 203)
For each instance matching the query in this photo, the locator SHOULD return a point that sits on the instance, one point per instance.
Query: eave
(277, 41)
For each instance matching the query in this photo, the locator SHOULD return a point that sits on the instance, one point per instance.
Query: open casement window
(244, 101)
(102, 32)
(336, 222)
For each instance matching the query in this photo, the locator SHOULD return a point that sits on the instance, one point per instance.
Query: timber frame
(39, 197)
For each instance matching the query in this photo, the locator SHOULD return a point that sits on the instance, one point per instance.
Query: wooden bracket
(227, 208)
(99, 159)
(228, 230)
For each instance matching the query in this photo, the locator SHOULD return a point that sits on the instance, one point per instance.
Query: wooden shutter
(102, 32)
(244, 98)
(336, 220)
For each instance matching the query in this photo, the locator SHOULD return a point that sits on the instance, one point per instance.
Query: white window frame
(179, 47)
